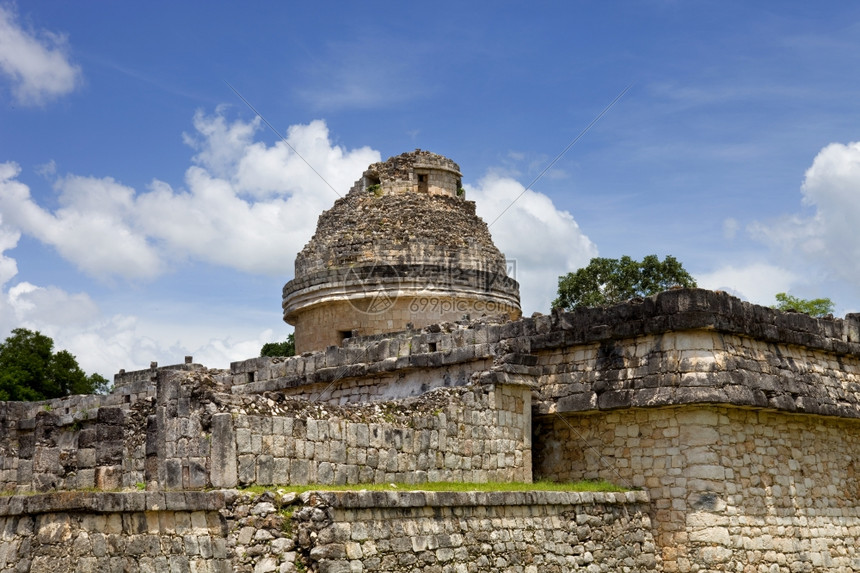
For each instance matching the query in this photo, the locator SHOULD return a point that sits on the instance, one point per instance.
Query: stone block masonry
(476, 433)
(400, 246)
(327, 532)
(732, 489)
(739, 422)
(132, 532)
(477, 532)
(74, 443)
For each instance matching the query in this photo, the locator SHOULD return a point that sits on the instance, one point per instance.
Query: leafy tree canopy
(817, 307)
(31, 370)
(611, 281)
(285, 348)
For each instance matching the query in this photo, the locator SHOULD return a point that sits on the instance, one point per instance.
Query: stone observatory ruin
(403, 247)
(733, 428)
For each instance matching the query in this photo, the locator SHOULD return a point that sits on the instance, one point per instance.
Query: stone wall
(740, 422)
(131, 532)
(477, 433)
(75, 443)
(390, 366)
(193, 433)
(329, 532)
(523, 532)
(732, 489)
(145, 379)
(701, 366)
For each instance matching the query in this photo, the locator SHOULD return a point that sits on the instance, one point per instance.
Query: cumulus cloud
(8, 266)
(34, 305)
(36, 63)
(259, 214)
(94, 227)
(245, 206)
(63, 316)
(524, 231)
(827, 238)
(220, 144)
(756, 282)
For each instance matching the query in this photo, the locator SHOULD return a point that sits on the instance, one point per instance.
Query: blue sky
(146, 213)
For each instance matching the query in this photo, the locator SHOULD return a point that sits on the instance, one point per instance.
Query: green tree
(285, 348)
(610, 281)
(816, 307)
(31, 370)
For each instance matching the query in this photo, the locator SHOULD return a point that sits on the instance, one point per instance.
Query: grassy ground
(429, 486)
(449, 486)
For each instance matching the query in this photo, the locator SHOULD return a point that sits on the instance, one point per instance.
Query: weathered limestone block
(731, 487)
(223, 470)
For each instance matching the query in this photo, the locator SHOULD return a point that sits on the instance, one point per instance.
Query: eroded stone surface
(731, 488)
(403, 246)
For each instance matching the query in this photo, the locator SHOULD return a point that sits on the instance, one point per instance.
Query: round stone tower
(402, 247)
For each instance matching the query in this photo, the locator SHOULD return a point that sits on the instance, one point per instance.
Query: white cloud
(220, 145)
(755, 282)
(94, 227)
(827, 239)
(36, 63)
(104, 344)
(8, 240)
(261, 212)
(247, 206)
(33, 305)
(730, 228)
(63, 316)
(220, 352)
(544, 241)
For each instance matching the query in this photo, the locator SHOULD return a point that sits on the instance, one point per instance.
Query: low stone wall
(131, 532)
(326, 532)
(523, 532)
(731, 488)
(123, 381)
(700, 366)
(476, 433)
(194, 435)
(75, 443)
(376, 368)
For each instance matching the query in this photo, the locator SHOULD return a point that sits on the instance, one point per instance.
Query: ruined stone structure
(735, 427)
(403, 247)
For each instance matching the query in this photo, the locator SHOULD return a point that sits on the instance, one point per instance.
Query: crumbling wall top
(401, 167)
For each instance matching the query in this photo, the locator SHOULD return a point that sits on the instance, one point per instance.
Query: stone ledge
(697, 309)
(126, 502)
(670, 311)
(111, 502)
(394, 499)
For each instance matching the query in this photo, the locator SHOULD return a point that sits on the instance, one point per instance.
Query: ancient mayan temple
(403, 247)
(734, 428)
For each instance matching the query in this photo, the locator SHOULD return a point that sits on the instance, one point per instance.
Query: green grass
(429, 486)
(448, 486)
